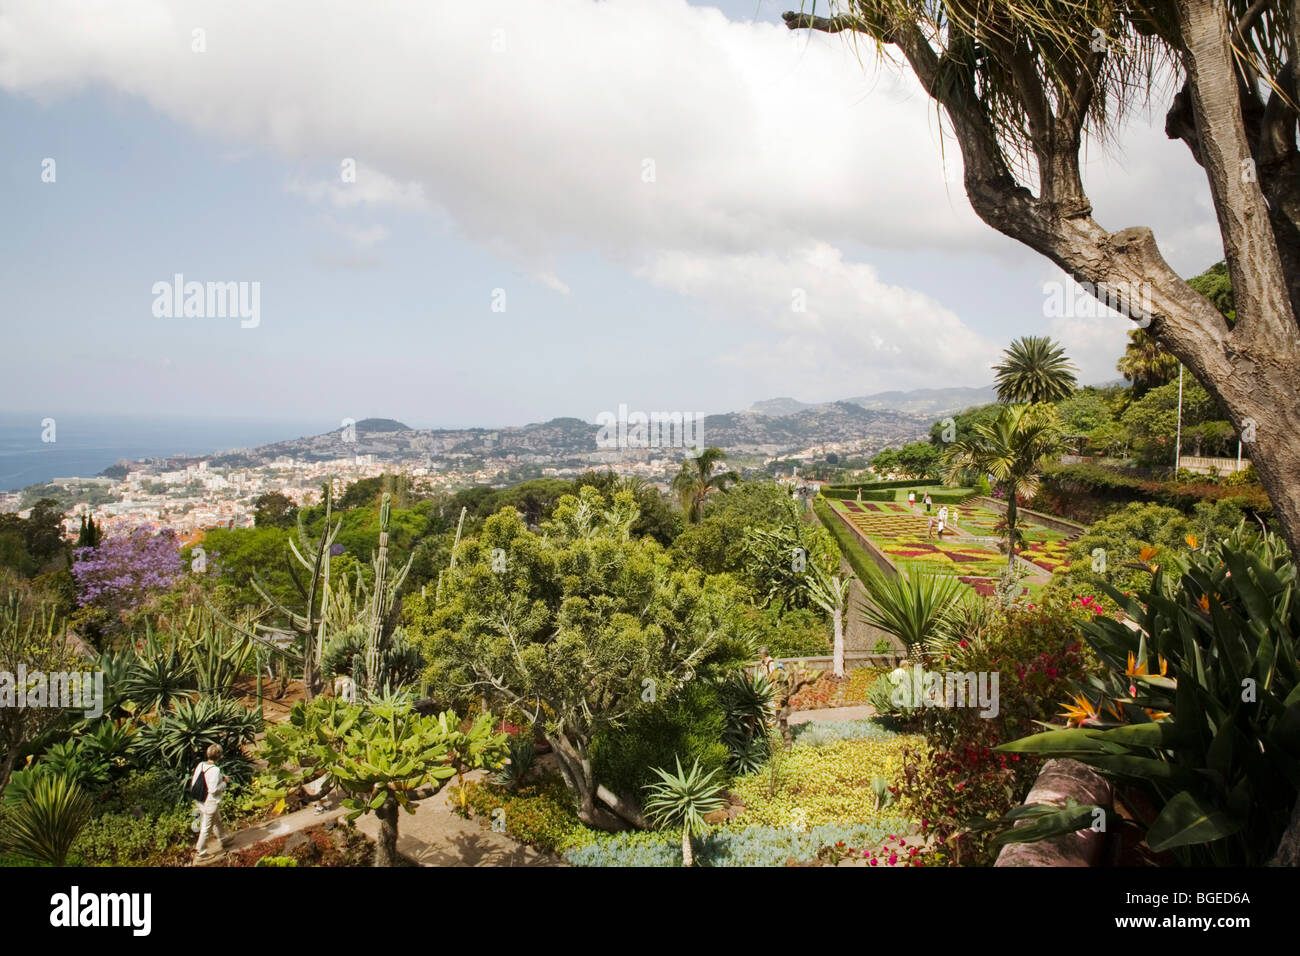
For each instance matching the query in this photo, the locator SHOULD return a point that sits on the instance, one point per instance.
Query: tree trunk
(575, 766)
(838, 617)
(386, 845)
(1012, 506)
(7, 768)
(688, 855)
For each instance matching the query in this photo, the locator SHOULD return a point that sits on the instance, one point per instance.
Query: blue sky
(503, 147)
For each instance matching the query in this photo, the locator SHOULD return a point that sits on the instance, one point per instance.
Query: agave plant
(160, 674)
(682, 799)
(522, 753)
(181, 737)
(44, 822)
(1199, 706)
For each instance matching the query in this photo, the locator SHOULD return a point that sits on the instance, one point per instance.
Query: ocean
(84, 445)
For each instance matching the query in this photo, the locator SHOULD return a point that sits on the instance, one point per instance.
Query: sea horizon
(84, 445)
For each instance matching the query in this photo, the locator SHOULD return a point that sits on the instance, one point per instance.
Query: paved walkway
(432, 836)
(435, 836)
(834, 715)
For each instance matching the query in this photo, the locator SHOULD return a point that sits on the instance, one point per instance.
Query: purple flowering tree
(126, 569)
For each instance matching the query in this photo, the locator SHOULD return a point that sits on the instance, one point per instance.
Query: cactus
(309, 627)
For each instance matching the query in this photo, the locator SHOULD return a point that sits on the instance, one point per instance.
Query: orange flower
(1192, 542)
(1080, 712)
(1204, 603)
(1156, 714)
(1147, 553)
(1133, 666)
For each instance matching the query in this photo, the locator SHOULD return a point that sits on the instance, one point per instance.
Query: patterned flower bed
(878, 519)
(984, 587)
(1048, 555)
(948, 557)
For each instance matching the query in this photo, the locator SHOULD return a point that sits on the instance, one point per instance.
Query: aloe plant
(1199, 705)
(748, 703)
(682, 799)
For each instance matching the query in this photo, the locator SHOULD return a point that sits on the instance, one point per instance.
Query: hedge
(949, 497)
(1064, 481)
(852, 494)
(892, 483)
(850, 547)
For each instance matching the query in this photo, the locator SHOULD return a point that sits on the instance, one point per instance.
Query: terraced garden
(899, 532)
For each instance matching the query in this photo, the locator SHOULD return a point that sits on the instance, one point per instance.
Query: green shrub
(141, 819)
(689, 725)
(1195, 712)
(858, 559)
(122, 839)
(748, 846)
(284, 861)
(541, 814)
(799, 632)
(956, 779)
(180, 738)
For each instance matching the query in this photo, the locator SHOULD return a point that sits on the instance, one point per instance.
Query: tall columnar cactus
(379, 601)
(309, 627)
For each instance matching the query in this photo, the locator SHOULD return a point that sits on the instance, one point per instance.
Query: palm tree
(1035, 370)
(682, 799)
(1009, 448)
(915, 608)
(697, 480)
(1145, 363)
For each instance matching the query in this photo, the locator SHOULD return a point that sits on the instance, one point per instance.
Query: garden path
(833, 714)
(435, 836)
(432, 836)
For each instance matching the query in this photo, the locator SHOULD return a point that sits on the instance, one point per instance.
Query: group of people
(939, 522)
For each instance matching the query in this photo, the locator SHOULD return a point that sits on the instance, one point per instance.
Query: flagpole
(1178, 439)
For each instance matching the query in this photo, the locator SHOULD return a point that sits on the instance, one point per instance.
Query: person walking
(207, 787)
(943, 519)
(928, 502)
(911, 499)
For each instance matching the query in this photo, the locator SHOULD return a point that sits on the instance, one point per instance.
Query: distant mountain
(928, 401)
(572, 442)
(777, 407)
(920, 401)
(810, 425)
(381, 425)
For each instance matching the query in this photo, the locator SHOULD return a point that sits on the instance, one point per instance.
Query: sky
(502, 212)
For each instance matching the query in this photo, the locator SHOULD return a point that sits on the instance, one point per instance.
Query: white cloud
(760, 138)
(857, 335)
(365, 185)
(534, 127)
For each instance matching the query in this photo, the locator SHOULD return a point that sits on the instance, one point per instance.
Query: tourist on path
(927, 502)
(209, 807)
(911, 499)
